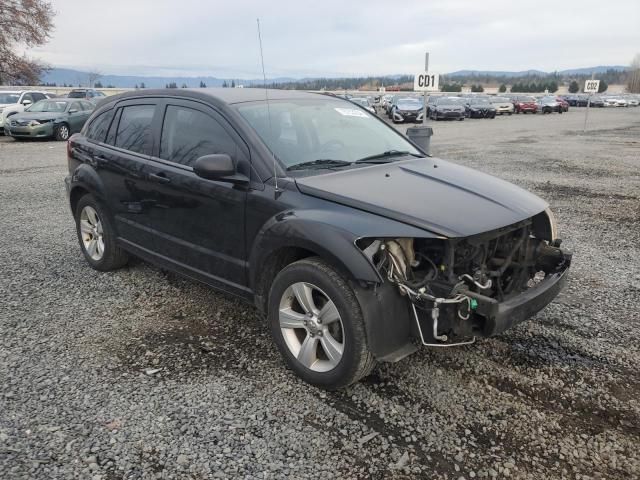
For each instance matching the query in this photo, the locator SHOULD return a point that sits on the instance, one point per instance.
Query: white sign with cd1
(426, 82)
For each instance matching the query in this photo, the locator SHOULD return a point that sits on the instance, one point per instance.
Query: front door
(199, 223)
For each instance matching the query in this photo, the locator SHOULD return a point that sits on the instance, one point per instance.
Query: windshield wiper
(387, 154)
(319, 163)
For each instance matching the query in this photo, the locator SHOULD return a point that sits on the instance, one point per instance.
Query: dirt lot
(557, 397)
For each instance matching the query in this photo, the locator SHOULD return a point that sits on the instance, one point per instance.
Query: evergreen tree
(603, 86)
(142, 85)
(574, 87)
(503, 88)
(233, 84)
(224, 84)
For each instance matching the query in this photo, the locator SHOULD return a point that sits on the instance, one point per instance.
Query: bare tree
(634, 75)
(23, 23)
(93, 76)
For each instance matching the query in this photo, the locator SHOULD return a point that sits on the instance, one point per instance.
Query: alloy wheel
(92, 233)
(311, 327)
(63, 132)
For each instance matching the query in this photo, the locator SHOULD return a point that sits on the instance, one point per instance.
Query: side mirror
(219, 167)
(26, 103)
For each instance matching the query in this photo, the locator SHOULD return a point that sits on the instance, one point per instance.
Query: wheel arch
(83, 181)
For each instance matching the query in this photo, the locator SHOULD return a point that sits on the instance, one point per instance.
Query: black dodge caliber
(356, 245)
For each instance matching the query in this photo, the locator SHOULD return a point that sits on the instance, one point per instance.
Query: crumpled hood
(36, 116)
(433, 194)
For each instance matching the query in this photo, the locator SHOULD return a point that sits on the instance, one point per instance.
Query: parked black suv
(356, 245)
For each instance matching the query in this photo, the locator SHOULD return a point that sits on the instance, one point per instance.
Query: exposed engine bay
(457, 286)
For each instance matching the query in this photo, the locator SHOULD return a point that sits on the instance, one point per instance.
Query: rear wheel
(97, 236)
(317, 324)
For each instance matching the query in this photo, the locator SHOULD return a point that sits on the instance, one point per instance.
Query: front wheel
(317, 324)
(62, 132)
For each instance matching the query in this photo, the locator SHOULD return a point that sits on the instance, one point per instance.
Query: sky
(338, 37)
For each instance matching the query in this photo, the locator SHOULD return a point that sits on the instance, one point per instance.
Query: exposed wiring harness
(417, 291)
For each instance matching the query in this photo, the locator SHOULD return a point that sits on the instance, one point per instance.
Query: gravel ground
(142, 374)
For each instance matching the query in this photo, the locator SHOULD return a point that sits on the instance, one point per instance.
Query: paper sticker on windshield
(351, 112)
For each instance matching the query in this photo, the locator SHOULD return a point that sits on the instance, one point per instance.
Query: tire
(323, 289)
(62, 132)
(97, 237)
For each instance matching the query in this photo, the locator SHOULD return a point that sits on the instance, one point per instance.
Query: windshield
(500, 100)
(409, 103)
(48, 106)
(479, 101)
(527, 99)
(77, 94)
(320, 129)
(452, 101)
(9, 97)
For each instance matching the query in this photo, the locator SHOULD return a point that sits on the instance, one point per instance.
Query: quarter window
(134, 129)
(99, 126)
(188, 134)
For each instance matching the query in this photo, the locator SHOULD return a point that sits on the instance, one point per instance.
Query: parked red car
(525, 105)
(563, 104)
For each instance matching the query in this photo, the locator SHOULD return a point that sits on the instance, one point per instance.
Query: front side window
(298, 131)
(38, 96)
(189, 134)
(77, 94)
(134, 129)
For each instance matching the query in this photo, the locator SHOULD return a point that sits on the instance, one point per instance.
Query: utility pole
(586, 114)
(424, 107)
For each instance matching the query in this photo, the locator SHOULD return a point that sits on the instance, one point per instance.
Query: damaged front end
(460, 288)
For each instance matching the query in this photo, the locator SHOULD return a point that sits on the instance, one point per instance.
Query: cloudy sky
(339, 38)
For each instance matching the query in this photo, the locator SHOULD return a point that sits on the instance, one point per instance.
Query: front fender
(329, 234)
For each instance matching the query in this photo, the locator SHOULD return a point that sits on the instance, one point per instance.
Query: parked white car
(502, 105)
(614, 102)
(15, 101)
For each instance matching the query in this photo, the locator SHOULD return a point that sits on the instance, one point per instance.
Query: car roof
(222, 95)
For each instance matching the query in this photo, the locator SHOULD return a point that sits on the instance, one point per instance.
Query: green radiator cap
(474, 304)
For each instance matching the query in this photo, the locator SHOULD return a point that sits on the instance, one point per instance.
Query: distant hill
(525, 73)
(68, 76)
(62, 76)
(494, 73)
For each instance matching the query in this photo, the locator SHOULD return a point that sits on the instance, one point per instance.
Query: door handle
(159, 178)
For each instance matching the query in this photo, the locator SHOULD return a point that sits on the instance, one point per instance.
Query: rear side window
(134, 129)
(188, 134)
(98, 128)
(77, 94)
(37, 97)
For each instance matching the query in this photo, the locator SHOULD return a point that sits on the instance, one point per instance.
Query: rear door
(119, 143)
(199, 223)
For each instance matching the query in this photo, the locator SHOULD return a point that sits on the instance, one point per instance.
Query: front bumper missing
(500, 316)
(490, 317)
